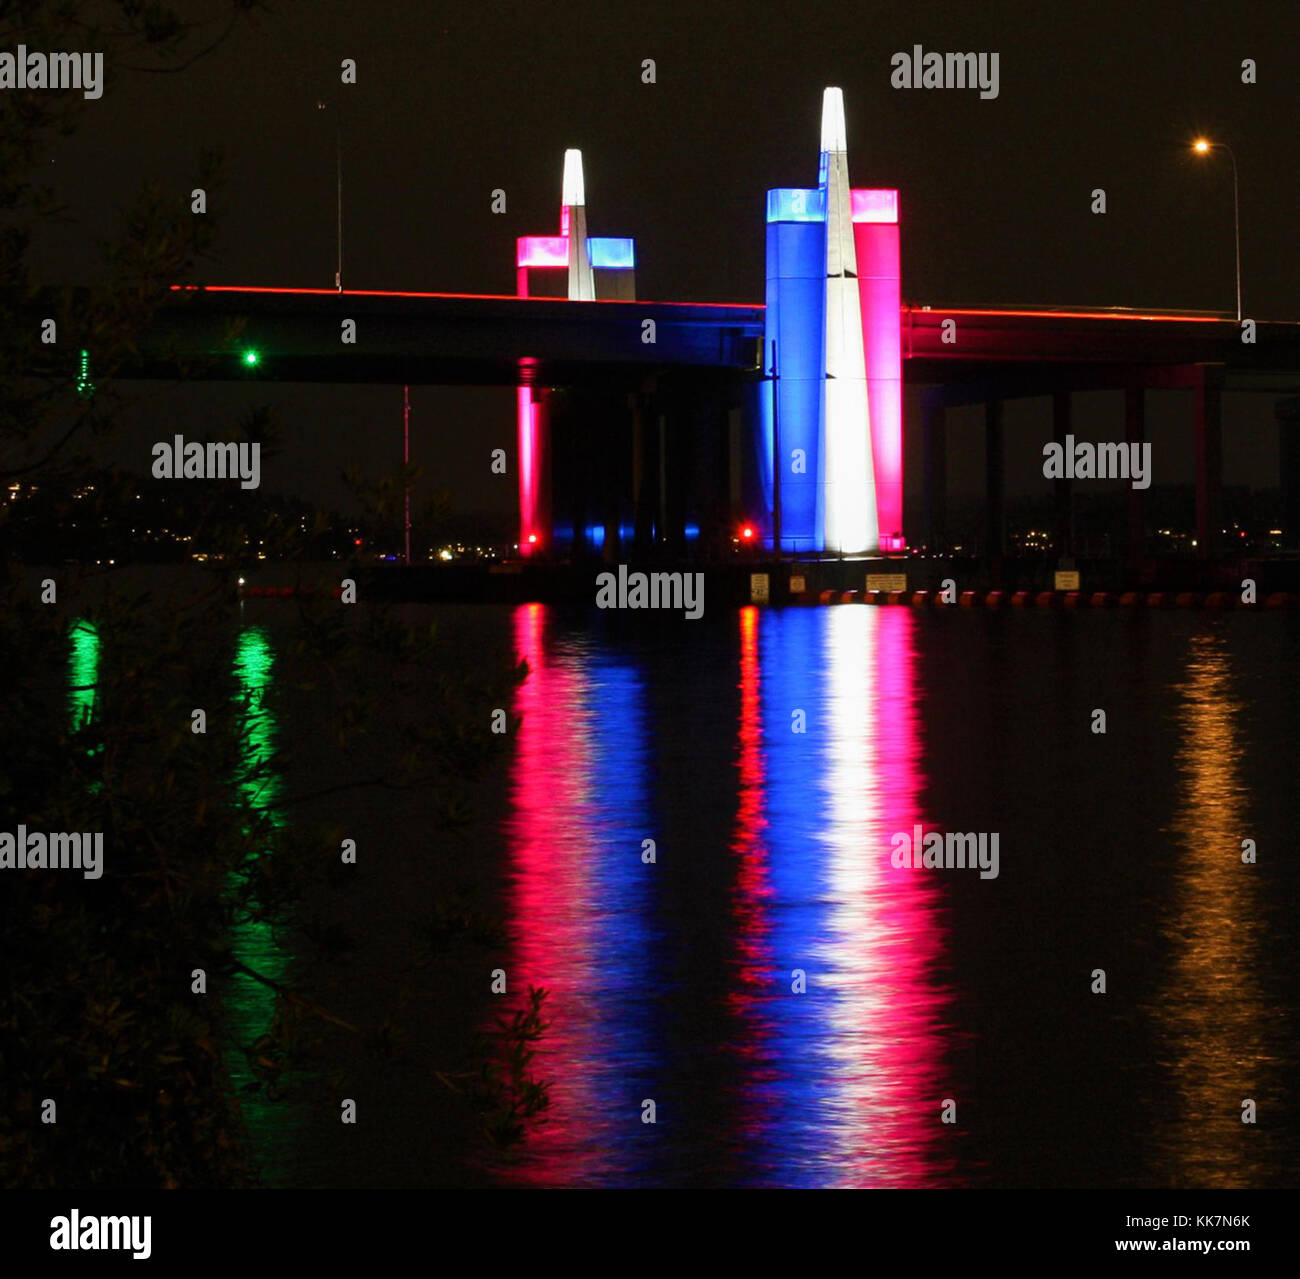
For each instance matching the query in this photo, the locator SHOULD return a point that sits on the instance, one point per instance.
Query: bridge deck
(486, 339)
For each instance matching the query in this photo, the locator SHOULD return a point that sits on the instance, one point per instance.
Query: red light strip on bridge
(938, 312)
(404, 293)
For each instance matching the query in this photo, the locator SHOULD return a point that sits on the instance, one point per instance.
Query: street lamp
(1203, 146)
(338, 173)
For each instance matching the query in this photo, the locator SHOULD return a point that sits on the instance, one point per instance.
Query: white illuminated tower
(847, 471)
(573, 223)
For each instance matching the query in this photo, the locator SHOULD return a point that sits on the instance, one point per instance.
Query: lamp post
(338, 175)
(1202, 146)
(406, 462)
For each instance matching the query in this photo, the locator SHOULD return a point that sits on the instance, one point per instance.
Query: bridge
(644, 424)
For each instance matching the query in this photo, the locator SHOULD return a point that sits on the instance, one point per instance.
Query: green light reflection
(252, 1004)
(83, 673)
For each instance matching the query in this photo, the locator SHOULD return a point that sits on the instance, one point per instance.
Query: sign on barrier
(886, 581)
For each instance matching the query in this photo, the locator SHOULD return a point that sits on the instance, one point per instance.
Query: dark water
(800, 1011)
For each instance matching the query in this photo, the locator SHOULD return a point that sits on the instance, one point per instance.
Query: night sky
(455, 100)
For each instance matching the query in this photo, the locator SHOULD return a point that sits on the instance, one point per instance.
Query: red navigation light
(747, 533)
(532, 537)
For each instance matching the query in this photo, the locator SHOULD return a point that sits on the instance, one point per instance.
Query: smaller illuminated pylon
(595, 268)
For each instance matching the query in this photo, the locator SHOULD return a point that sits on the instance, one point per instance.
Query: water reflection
(83, 682)
(753, 968)
(83, 672)
(580, 897)
(837, 1085)
(251, 1004)
(885, 939)
(849, 1082)
(1211, 1019)
(673, 981)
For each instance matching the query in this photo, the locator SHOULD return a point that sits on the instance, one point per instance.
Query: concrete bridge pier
(934, 473)
(1135, 429)
(716, 509)
(674, 440)
(533, 463)
(571, 465)
(612, 445)
(561, 460)
(1208, 391)
(594, 455)
(645, 466)
(995, 513)
(1063, 489)
(1287, 413)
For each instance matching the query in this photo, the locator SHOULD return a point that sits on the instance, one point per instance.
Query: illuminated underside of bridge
(664, 429)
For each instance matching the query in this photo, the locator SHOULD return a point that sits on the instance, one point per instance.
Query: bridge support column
(573, 465)
(995, 515)
(610, 470)
(1209, 462)
(934, 473)
(715, 509)
(643, 464)
(735, 484)
(674, 470)
(1287, 413)
(661, 524)
(1135, 430)
(609, 425)
(1063, 489)
(536, 528)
